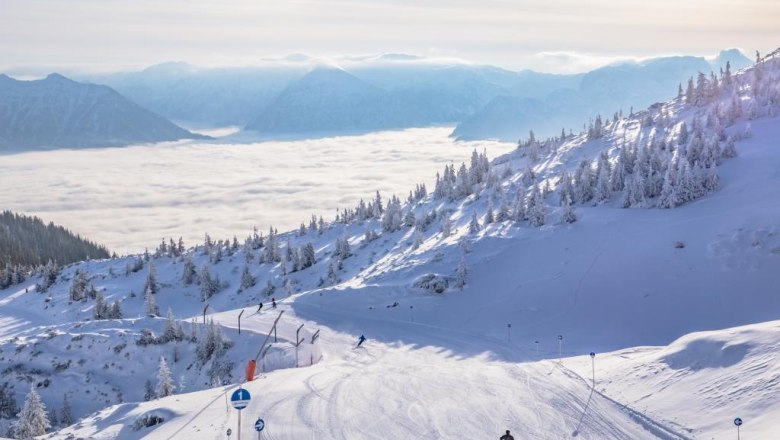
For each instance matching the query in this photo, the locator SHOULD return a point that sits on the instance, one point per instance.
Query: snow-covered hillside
(637, 232)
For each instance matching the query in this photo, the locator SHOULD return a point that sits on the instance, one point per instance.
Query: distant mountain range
(601, 91)
(296, 95)
(57, 112)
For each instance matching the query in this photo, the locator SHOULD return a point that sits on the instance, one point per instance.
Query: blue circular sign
(229, 431)
(259, 425)
(592, 354)
(240, 399)
(738, 421)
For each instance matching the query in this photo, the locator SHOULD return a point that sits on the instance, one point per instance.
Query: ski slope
(393, 390)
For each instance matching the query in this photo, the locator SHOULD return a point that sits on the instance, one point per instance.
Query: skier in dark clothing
(273, 302)
(507, 436)
(259, 307)
(361, 339)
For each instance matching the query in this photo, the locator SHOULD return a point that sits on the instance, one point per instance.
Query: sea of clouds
(129, 198)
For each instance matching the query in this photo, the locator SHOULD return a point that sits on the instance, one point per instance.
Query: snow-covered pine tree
(568, 212)
(536, 209)
(188, 275)
(116, 310)
(169, 331)
(461, 274)
(78, 286)
(150, 305)
(518, 209)
(409, 219)
(489, 217)
(474, 224)
(208, 285)
(247, 280)
(164, 383)
(148, 390)
(308, 257)
(48, 276)
(333, 277)
(101, 308)
(446, 226)
(33, 420)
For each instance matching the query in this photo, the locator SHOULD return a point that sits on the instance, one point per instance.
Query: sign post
(593, 368)
(259, 425)
(240, 399)
(536, 343)
(509, 333)
(560, 343)
(297, 344)
(229, 431)
(738, 423)
(411, 313)
(239, 321)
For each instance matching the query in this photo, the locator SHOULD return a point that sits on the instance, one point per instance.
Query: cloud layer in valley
(129, 198)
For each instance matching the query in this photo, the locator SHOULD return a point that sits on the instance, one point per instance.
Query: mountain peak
(54, 76)
(733, 56)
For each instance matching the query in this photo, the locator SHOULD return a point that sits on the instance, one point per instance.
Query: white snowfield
(649, 290)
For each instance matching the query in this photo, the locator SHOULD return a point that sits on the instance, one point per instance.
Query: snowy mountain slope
(56, 112)
(615, 278)
(724, 374)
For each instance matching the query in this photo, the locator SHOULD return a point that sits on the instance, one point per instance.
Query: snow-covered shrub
(432, 282)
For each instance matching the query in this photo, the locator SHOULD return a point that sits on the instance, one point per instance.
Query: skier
(507, 436)
(273, 302)
(362, 339)
(259, 307)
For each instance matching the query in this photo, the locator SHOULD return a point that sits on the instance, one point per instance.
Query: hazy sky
(549, 35)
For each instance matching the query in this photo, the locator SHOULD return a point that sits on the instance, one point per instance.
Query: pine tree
(474, 224)
(309, 258)
(247, 280)
(101, 309)
(164, 384)
(332, 276)
(8, 407)
(568, 212)
(169, 331)
(116, 310)
(53, 417)
(32, 419)
(148, 390)
(418, 239)
(78, 286)
(536, 208)
(151, 306)
(461, 274)
(208, 285)
(189, 273)
(446, 226)
(66, 415)
(489, 218)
